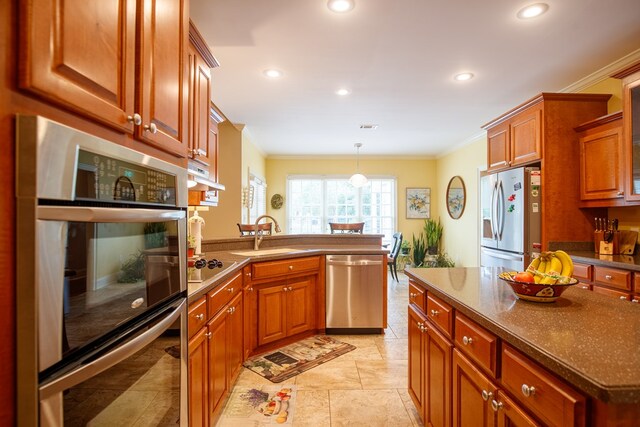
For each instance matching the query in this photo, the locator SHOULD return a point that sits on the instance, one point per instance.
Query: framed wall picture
(418, 203)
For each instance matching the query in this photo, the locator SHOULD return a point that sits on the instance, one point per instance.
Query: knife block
(622, 242)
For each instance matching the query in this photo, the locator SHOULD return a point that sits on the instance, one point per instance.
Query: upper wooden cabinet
(631, 111)
(601, 161)
(118, 62)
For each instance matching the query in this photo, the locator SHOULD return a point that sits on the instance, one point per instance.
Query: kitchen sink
(273, 251)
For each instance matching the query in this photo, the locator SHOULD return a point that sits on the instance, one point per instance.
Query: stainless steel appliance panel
(354, 291)
(507, 260)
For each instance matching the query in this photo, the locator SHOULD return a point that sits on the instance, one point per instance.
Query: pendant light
(357, 179)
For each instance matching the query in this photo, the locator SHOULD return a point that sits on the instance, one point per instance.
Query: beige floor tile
(248, 378)
(334, 375)
(364, 352)
(381, 374)
(410, 407)
(367, 408)
(312, 409)
(393, 349)
(401, 331)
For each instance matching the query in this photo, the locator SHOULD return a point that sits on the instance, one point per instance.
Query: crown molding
(604, 72)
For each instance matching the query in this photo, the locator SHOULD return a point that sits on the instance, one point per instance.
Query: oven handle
(89, 214)
(112, 358)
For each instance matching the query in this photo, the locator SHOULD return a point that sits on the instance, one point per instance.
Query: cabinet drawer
(262, 270)
(636, 283)
(612, 277)
(477, 343)
(585, 286)
(197, 315)
(440, 313)
(611, 292)
(582, 271)
(221, 295)
(417, 296)
(554, 402)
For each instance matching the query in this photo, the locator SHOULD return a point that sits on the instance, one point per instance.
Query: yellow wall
(417, 172)
(253, 160)
(612, 86)
(460, 236)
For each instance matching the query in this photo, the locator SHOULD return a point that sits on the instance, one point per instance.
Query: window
(314, 202)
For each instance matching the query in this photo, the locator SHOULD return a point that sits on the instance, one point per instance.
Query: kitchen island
(585, 345)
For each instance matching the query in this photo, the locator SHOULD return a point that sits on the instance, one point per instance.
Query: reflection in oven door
(139, 381)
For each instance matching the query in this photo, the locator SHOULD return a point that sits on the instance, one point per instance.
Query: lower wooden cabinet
(198, 379)
(613, 282)
(429, 370)
(508, 413)
(285, 308)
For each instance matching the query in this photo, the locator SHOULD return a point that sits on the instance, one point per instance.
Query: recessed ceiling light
(341, 6)
(343, 92)
(532, 10)
(369, 126)
(272, 73)
(463, 77)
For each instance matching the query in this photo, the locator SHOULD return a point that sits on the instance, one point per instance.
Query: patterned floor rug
(289, 361)
(259, 406)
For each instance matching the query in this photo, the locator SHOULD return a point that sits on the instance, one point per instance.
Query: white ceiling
(398, 58)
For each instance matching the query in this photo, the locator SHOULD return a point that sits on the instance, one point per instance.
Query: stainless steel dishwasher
(354, 293)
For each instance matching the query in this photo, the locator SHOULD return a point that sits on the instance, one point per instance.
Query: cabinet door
(509, 414)
(437, 387)
(199, 101)
(632, 135)
(300, 307)
(601, 173)
(198, 386)
(218, 338)
(416, 359)
(250, 310)
(163, 83)
(213, 148)
(472, 394)
(235, 348)
(271, 314)
(54, 61)
(526, 138)
(498, 147)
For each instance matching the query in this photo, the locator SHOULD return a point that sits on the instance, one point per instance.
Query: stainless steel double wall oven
(101, 292)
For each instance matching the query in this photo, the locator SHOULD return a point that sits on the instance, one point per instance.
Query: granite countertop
(235, 259)
(590, 340)
(627, 262)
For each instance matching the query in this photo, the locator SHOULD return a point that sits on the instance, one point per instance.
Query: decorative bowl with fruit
(546, 278)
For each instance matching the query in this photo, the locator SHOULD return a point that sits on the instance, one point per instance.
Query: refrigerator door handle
(494, 210)
(503, 255)
(501, 209)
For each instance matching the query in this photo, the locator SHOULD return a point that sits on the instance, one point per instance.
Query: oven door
(98, 271)
(139, 379)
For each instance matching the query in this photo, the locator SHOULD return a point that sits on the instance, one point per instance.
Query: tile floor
(365, 387)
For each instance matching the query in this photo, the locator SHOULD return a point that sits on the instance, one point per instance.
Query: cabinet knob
(635, 301)
(623, 298)
(290, 288)
(250, 289)
(200, 316)
(496, 406)
(486, 395)
(208, 335)
(585, 287)
(608, 277)
(422, 328)
(412, 295)
(230, 290)
(434, 313)
(136, 119)
(151, 128)
(620, 193)
(420, 324)
(284, 289)
(467, 340)
(195, 152)
(290, 267)
(249, 274)
(528, 390)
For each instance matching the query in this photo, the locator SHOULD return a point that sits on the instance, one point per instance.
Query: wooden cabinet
(416, 356)
(631, 112)
(134, 79)
(198, 379)
(285, 308)
(250, 300)
(472, 394)
(613, 282)
(541, 131)
(601, 161)
(417, 296)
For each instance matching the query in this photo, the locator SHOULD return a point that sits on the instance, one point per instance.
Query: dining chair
(392, 259)
(354, 227)
(250, 229)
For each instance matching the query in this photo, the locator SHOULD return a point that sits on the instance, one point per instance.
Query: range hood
(201, 179)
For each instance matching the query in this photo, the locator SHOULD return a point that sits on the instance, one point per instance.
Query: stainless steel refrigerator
(510, 218)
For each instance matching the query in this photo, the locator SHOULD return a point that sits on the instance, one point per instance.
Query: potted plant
(433, 231)
(419, 250)
(444, 260)
(405, 247)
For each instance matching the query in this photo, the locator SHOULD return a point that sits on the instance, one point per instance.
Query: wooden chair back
(354, 227)
(249, 229)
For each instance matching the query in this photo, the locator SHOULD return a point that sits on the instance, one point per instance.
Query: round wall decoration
(276, 201)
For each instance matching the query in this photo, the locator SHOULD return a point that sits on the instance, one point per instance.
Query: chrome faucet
(258, 235)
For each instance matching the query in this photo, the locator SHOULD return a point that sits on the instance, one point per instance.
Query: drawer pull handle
(467, 340)
(486, 395)
(528, 390)
(496, 406)
(284, 289)
(608, 277)
(209, 335)
(250, 289)
(290, 288)
(412, 295)
(635, 301)
(291, 268)
(620, 193)
(623, 298)
(585, 286)
(434, 313)
(200, 316)
(230, 290)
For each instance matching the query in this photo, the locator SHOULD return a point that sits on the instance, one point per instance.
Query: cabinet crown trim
(609, 118)
(201, 46)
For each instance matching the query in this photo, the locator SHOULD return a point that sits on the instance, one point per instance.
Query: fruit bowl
(536, 292)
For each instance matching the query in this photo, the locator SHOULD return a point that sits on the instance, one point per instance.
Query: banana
(535, 264)
(552, 270)
(541, 269)
(567, 263)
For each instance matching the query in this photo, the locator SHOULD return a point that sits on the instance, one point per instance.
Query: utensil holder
(612, 247)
